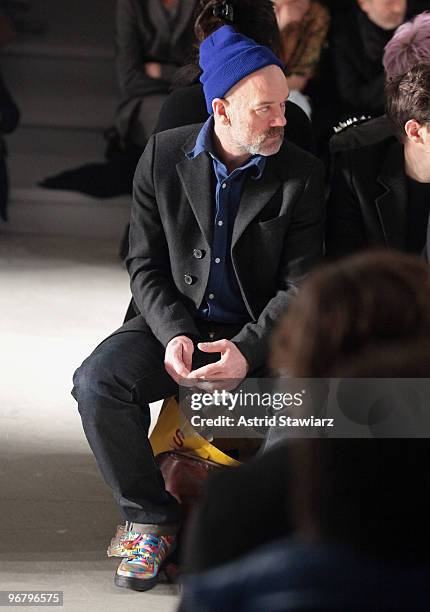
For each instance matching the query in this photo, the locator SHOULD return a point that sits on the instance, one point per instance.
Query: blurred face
(387, 14)
(290, 11)
(255, 108)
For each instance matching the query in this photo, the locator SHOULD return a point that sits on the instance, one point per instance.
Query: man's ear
(413, 130)
(220, 110)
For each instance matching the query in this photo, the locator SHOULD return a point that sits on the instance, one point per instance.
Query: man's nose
(279, 119)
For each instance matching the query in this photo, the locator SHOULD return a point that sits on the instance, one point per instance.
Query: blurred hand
(297, 82)
(153, 70)
(178, 358)
(232, 366)
(290, 11)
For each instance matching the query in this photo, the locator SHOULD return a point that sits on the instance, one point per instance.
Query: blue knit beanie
(226, 57)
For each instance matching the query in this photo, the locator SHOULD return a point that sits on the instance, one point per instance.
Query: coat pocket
(271, 225)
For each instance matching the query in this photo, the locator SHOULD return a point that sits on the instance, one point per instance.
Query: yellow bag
(174, 432)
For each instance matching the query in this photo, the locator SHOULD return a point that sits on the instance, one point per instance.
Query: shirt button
(224, 185)
(211, 296)
(220, 223)
(188, 279)
(217, 260)
(198, 254)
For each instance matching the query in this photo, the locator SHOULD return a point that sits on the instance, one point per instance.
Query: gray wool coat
(277, 237)
(144, 33)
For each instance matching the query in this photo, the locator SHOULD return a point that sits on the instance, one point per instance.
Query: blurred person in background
(358, 41)
(336, 524)
(303, 25)
(153, 39)
(409, 45)
(9, 116)
(380, 169)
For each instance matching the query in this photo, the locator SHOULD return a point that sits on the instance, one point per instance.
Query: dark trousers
(113, 388)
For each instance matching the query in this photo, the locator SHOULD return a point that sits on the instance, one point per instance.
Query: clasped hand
(229, 370)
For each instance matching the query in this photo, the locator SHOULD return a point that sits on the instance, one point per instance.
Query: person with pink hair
(410, 45)
(380, 185)
(380, 189)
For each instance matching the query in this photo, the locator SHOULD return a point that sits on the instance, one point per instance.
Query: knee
(83, 380)
(93, 379)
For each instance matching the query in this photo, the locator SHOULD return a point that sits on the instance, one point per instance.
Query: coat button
(188, 279)
(198, 254)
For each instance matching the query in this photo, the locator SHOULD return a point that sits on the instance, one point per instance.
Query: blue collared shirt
(223, 301)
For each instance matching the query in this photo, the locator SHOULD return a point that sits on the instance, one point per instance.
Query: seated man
(381, 187)
(226, 219)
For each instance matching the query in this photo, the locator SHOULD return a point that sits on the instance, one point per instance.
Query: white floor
(58, 298)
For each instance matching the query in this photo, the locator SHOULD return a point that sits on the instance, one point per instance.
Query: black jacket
(357, 51)
(359, 78)
(187, 106)
(277, 237)
(367, 206)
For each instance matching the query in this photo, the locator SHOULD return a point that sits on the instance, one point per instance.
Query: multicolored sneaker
(116, 547)
(148, 552)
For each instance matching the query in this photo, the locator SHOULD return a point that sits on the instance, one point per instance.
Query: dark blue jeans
(114, 387)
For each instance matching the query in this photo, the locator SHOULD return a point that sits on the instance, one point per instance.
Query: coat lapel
(196, 177)
(256, 194)
(159, 18)
(391, 205)
(183, 19)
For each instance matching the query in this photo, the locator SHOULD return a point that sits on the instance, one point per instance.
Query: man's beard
(264, 144)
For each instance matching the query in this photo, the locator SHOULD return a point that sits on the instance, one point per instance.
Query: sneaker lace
(149, 547)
